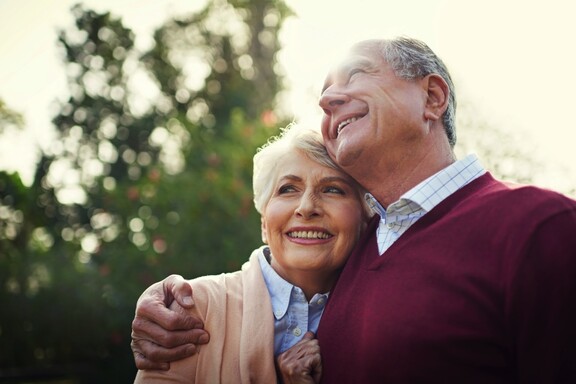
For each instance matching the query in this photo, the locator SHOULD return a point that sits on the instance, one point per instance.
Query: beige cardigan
(237, 312)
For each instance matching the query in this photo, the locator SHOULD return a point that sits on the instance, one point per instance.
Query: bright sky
(512, 59)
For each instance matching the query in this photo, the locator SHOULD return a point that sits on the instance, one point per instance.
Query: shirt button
(390, 225)
(297, 331)
(321, 301)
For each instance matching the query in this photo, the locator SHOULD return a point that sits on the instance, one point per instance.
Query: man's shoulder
(527, 198)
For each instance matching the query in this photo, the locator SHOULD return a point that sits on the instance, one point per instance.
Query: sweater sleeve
(239, 319)
(182, 371)
(186, 370)
(542, 303)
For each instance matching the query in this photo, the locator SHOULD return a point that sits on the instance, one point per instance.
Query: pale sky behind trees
(513, 60)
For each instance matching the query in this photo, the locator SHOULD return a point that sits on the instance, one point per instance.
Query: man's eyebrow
(359, 62)
(346, 67)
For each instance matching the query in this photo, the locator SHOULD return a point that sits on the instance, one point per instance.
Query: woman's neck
(310, 282)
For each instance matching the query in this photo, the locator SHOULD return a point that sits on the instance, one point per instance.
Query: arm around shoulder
(161, 335)
(184, 370)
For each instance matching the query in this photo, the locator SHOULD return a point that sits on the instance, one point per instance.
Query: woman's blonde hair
(293, 137)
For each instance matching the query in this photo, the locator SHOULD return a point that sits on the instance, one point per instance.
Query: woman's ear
(263, 230)
(438, 96)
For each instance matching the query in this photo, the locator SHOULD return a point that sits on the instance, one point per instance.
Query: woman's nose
(308, 207)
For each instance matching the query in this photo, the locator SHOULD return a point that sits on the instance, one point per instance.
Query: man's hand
(302, 363)
(161, 334)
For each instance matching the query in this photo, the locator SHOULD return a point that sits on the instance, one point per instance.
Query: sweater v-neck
(368, 247)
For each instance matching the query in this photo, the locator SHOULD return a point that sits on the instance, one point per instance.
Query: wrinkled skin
(301, 364)
(176, 333)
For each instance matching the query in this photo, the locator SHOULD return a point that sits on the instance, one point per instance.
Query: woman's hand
(301, 364)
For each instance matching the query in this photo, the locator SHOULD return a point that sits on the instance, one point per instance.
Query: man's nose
(332, 98)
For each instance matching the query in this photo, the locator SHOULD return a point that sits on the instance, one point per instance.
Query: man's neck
(388, 187)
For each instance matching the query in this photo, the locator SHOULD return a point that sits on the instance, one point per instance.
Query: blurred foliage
(9, 119)
(150, 175)
(498, 149)
(506, 154)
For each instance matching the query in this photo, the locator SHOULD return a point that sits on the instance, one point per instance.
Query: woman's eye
(286, 189)
(334, 190)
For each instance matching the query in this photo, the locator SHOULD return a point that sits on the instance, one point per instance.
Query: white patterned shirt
(415, 203)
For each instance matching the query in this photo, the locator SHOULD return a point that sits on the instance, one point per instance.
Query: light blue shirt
(293, 315)
(412, 205)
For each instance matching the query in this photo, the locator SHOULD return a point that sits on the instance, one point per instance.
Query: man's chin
(345, 158)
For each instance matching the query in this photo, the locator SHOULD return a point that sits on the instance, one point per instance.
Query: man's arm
(543, 304)
(161, 335)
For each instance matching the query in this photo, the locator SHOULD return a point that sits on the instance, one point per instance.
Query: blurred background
(127, 130)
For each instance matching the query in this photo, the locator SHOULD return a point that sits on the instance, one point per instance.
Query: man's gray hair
(413, 59)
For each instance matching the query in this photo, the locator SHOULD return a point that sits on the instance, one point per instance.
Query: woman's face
(313, 218)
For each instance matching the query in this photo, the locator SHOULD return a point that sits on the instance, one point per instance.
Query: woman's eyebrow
(332, 179)
(289, 177)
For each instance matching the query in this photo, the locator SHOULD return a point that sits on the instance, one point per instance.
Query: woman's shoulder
(213, 289)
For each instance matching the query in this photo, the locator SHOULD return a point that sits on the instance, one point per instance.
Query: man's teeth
(309, 235)
(345, 123)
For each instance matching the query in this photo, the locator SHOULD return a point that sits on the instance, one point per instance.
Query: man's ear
(263, 230)
(438, 96)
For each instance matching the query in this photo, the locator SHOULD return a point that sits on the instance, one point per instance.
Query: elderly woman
(312, 216)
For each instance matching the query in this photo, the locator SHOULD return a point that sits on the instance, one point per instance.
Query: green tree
(150, 175)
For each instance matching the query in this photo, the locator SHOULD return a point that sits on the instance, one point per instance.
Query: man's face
(372, 119)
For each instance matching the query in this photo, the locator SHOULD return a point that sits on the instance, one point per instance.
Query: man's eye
(355, 71)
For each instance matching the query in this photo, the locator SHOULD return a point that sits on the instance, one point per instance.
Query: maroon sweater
(482, 289)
